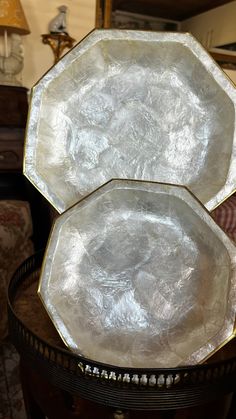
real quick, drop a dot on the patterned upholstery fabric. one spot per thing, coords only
(15, 247)
(225, 216)
(11, 397)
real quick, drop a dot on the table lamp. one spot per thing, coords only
(13, 23)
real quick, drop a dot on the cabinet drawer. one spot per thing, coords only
(11, 155)
(13, 105)
(12, 134)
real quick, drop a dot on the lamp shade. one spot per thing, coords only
(12, 17)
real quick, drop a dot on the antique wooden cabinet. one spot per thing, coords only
(13, 114)
(168, 9)
(13, 184)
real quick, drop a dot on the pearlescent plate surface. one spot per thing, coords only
(139, 275)
(129, 104)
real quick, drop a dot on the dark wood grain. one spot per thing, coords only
(13, 117)
(13, 184)
(168, 9)
(13, 106)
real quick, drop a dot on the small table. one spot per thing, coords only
(58, 383)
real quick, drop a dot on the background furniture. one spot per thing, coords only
(15, 247)
(168, 9)
(214, 27)
(24, 214)
(13, 115)
(13, 185)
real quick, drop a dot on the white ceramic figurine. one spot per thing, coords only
(58, 24)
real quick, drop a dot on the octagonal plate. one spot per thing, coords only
(139, 275)
(129, 104)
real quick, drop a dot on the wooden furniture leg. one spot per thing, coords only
(32, 409)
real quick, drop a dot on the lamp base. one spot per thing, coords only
(11, 65)
(11, 80)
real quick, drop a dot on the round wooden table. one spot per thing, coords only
(47, 395)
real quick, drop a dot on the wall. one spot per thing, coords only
(215, 27)
(231, 74)
(38, 56)
(80, 21)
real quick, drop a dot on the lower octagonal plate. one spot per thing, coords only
(139, 275)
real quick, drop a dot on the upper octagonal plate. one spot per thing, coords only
(130, 104)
